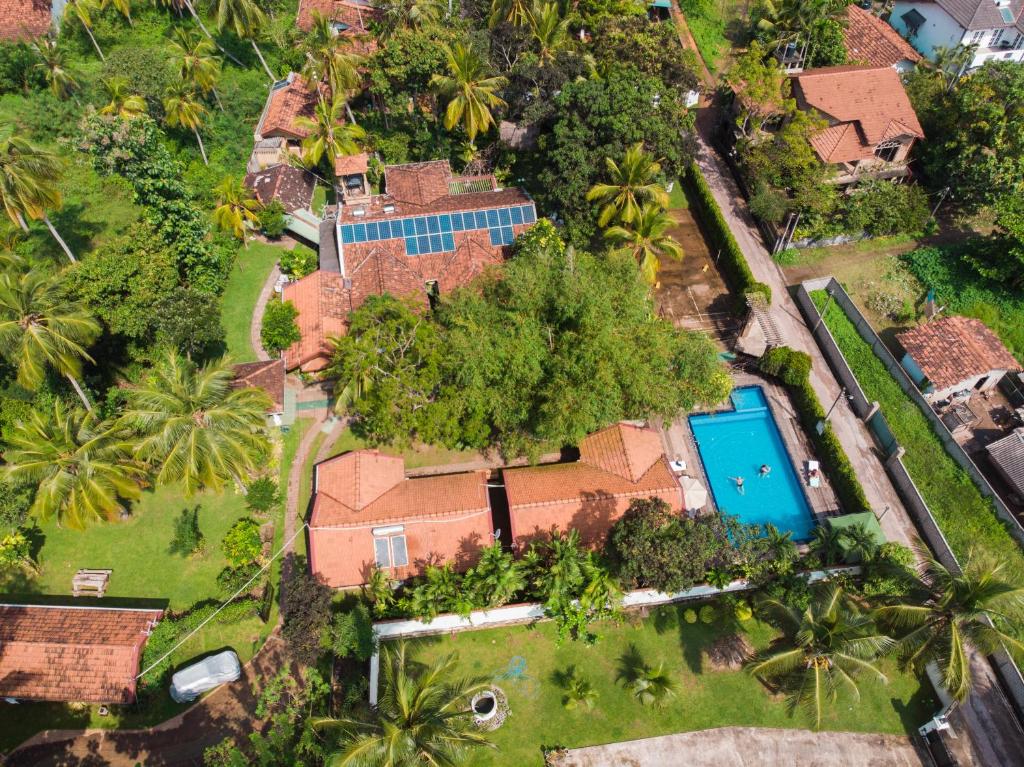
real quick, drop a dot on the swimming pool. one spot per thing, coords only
(736, 443)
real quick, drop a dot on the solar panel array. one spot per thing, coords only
(436, 233)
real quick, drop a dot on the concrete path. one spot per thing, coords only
(994, 730)
(749, 747)
(256, 324)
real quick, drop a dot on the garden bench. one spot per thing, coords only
(90, 581)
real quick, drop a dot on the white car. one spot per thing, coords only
(189, 683)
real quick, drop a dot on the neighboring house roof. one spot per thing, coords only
(367, 487)
(622, 460)
(952, 350)
(267, 375)
(290, 99)
(1008, 456)
(865, 105)
(353, 14)
(24, 19)
(292, 187)
(349, 165)
(323, 301)
(983, 14)
(870, 40)
(72, 654)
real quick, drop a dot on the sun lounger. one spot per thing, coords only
(813, 474)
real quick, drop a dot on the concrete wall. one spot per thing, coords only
(939, 28)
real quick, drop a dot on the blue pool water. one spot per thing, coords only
(735, 444)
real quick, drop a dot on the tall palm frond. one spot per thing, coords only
(470, 91)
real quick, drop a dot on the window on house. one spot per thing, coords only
(1018, 41)
(997, 35)
(887, 150)
(390, 551)
(976, 37)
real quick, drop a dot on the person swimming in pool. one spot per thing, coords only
(739, 484)
(765, 470)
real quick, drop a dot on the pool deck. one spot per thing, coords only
(680, 445)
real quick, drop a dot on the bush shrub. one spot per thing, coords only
(262, 495)
(279, 329)
(707, 614)
(231, 579)
(731, 259)
(690, 615)
(351, 634)
(793, 369)
(298, 262)
(272, 219)
(742, 611)
(188, 538)
(307, 612)
(242, 544)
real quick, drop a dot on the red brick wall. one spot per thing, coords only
(593, 517)
(343, 557)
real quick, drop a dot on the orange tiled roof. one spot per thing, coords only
(952, 350)
(73, 654)
(419, 183)
(368, 487)
(355, 15)
(348, 165)
(870, 40)
(267, 375)
(24, 19)
(621, 460)
(296, 98)
(869, 99)
(323, 302)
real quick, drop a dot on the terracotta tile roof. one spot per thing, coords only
(870, 99)
(355, 15)
(368, 487)
(287, 101)
(72, 654)
(267, 375)
(292, 187)
(952, 350)
(622, 460)
(419, 183)
(374, 210)
(347, 165)
(24, 19)
(870, 40)
(981, 14)
(323, 302)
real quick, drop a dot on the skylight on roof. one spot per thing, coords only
(1006, 13)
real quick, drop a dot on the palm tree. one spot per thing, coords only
(951, 62)
(198, 64)
(469, 90)
(28, 184)
(827, 543)
(649, 684)
(631, 184)
(246, 19)
(236, 208)
(821, 651)
(54, 66)
(550, 31)
(410, 14)
(124, 7)
(860, 543)
(495, 578)
(578, 690)
(328, 134)
(41, 329)
(81, 11)
(181, 109)
(192, 10)
(122, 103)
(952, 614)
(789, 21)
(515, 12)
(194, 427)
(329, 58)
(423, 717)
(646, 241)
(80, 467)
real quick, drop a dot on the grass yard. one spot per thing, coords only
(967, 519)
(416, 455)
(711, 23)
(677, 197)
(526, 663)
(243, 289)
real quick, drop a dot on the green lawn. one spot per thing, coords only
(967, 519)
(706, 697)
(247, 279)
(416, 455)
(677, 197)
(708, 21)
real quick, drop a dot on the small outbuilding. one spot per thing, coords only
(72, 654)
(1007, 456)
(953, 357)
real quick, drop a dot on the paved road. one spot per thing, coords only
(994, 730)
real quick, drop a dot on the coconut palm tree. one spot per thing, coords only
(330, 59)
(410, 14)
(645, 239)
(246, 19)
(236, 210)
(470, 91)
(423, 717)
(860, 543)
(122, 103)
(785, 21)
(194, 427)
(124, 7)
(515, 12)
(181, 109)
(578, 690)
(550, 31)
(631, 183)
(827, 544)
(198, 64)
(29, 178)
(951, 615)
(495, 578)
(650, 685)
(41, 329)
(328, 134)
(82, 469)
(53, 64)
(199, 21)
(821, 652)
(81, 11)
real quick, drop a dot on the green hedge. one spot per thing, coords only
(731, 259)
(793, 369)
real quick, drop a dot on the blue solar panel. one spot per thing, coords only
(481, 219)
(347, 235)
(447, 241)
(435, 243)
(517, 215)
(371, 232)
(456, 222)
(528, 215)
(446, 223)
(360, 232)
(492, 218)
(433, 225)
(495, 236)
(421, 225)
(423, 241)
(504, 217)
(410, 246)
(506, 235)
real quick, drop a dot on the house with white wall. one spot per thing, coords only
(994, 27)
